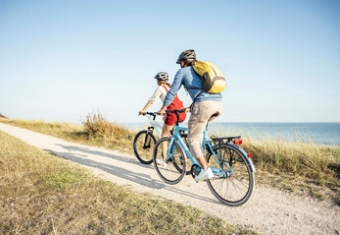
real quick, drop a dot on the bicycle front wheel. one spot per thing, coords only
(237, 185)
(143, 146)
(170, 165)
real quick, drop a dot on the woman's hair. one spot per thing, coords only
(190, 63)
(164, 82)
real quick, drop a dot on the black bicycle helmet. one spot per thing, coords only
(162, 76)
(187, 55)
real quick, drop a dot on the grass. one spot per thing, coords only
(300, 167)
(43, 194)
(95, 131)
(303, 168)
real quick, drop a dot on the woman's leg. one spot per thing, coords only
(166, 130)
(165, 133)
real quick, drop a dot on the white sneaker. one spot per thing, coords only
(205, 175)
(161, 162)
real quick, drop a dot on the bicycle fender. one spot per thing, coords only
(249, 161)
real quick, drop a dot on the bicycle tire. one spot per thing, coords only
(236, 188)
(175, 169)
(143, 146)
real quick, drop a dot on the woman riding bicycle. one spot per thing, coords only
(205, 107)
(161, 91)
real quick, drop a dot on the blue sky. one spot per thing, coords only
(60, 60)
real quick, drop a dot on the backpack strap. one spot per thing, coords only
(195, 99)
(197, 96)
(166, 88)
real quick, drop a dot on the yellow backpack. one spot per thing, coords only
(213, 80)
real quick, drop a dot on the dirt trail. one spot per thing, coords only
(269, 211)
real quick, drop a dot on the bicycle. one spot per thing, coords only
(145, 140)
(234, 172)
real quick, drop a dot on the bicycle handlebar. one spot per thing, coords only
(153, 114)
(176, 111)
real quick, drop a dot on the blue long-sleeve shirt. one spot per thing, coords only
(192, 83)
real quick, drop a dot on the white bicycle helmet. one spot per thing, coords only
(162, 76)
(187, 55)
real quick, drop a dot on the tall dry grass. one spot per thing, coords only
(43, 194)
(100, 128)
(299, 166)
(295, 164)
(94, 129)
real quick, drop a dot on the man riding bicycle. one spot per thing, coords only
(205, 108)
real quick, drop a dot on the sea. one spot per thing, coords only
(324, 133)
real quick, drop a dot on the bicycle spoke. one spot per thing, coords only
(236, 188)
(174, 170)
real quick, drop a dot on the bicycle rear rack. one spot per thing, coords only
(224, 140)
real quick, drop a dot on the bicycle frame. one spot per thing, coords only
(177, 137)
(206, 144)
(153, 124)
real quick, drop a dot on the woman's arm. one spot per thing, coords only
(158, 93)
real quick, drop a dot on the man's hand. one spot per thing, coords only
(187, 109)
(162, 112)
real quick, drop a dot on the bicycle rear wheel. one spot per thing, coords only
(236, 188)
(143, 146)
(174, 170)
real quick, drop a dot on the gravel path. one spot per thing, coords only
(269, 211)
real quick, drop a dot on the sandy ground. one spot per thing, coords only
(269, 211)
